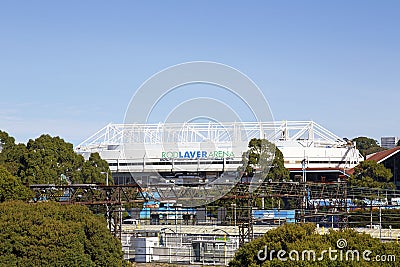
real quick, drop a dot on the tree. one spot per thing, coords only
(95, 169)
(6, 140)
(11, 187)
(303, 238)
(11, 154)
(278, 171)
(264, 161)
(259, 157)
(47, 158)
(371, 174)
(367, 146)
(266, 158)
(398, 143)
(50, 234)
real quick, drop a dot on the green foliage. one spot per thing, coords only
(258, 157)
(264, 157)
(371, 174)
(49, 157)
(46, 159)
(12, 188)
(11, 155)
(303, 237)
(367, 145)
(94, 170)
(278, 172)
(50, 234)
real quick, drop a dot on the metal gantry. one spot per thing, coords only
(111, 197)
(89, 194)
(323, 199)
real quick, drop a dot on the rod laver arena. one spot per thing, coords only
(195, 153)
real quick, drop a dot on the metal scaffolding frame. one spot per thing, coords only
(336, 194)
(309, 133)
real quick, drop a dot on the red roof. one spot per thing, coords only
(381, 156)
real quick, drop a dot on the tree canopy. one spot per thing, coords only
(94, 169)
(266, 158)
(11, 187)
(46, 159)
(278, 171)
(367, 145)
(6, 140)
(265, 161)
(11, 154)
(371, 174)
(50, 234)
(295, 237)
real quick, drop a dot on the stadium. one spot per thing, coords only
(199, 153)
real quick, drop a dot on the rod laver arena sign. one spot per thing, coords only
(196, 154)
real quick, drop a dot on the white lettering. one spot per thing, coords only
(366, 254)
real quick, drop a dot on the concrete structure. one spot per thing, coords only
(198, 153)
(389, 142)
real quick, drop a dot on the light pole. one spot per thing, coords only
(106, 173)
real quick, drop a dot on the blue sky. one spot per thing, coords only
(68, 68)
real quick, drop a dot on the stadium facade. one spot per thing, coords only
(196, 153)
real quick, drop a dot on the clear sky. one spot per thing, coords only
(68, 68)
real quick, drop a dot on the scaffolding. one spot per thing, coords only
(308, 133)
